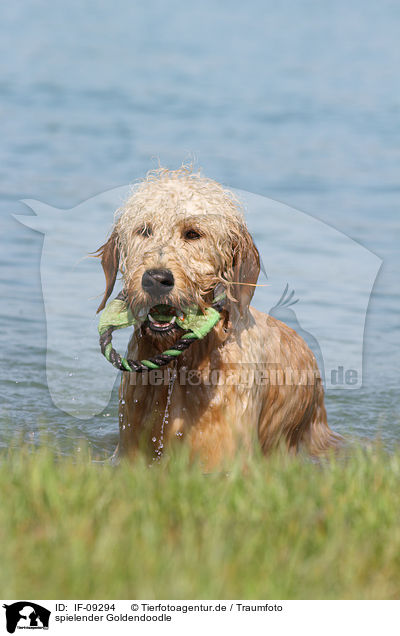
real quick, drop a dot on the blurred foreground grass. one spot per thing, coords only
(282, 529)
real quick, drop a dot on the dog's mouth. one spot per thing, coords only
(162, 318)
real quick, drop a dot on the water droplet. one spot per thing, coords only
(166, 412)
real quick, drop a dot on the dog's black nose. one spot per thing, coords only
(157, 282)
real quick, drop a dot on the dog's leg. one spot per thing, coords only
(129, 425)
(143, 422)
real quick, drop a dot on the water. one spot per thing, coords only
(296, 101)
(164, 423)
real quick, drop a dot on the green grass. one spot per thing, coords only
(280, 529)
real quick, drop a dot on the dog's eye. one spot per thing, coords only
(192, 235)
(145, 231)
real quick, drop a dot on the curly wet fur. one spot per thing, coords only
(282, 403)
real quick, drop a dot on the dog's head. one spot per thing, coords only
(175, 239)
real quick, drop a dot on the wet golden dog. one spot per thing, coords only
(252, 377)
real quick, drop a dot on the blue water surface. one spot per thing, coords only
(297, 101)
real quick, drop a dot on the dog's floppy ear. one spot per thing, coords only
(109, 253)
(246, 268)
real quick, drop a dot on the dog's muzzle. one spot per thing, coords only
(196, 324)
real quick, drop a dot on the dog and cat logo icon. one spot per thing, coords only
(26, 615)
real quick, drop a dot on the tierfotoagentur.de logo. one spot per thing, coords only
(26, 615)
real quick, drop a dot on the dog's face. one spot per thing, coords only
(174, 241)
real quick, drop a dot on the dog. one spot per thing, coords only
(252, 379)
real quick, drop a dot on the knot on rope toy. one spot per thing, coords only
(118, 315)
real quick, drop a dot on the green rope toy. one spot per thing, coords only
(118, 315)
